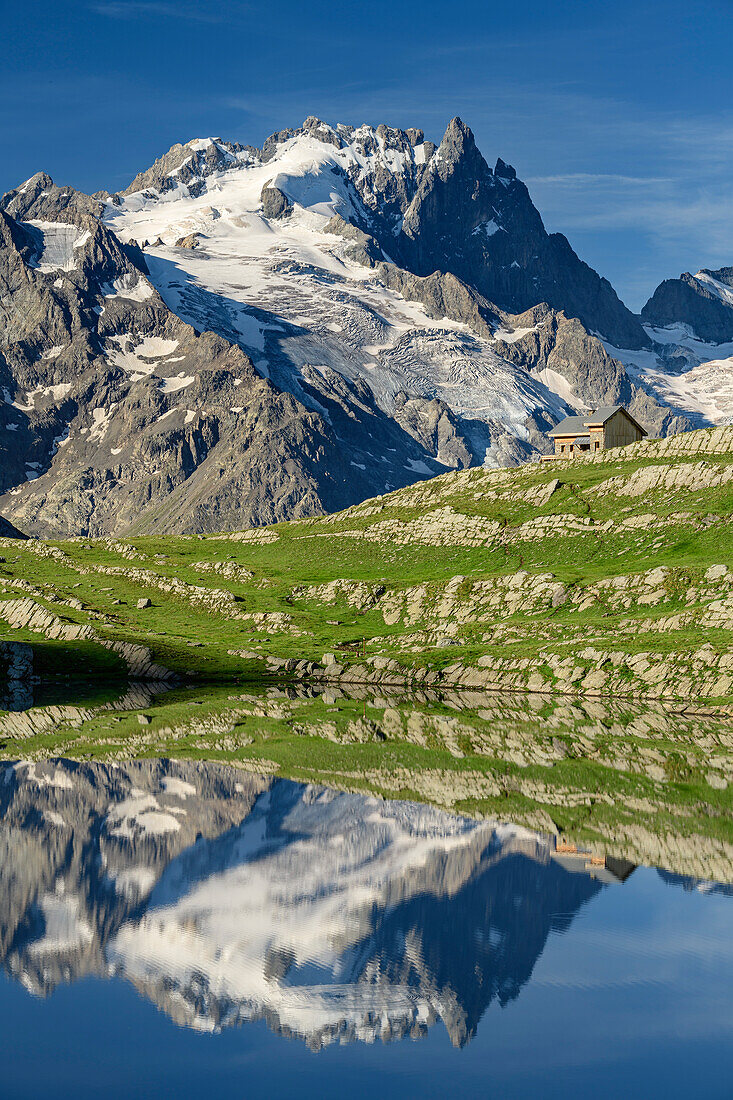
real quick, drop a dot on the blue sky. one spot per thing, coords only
(617, 114)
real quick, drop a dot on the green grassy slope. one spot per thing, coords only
(610, 577)
(548, 575)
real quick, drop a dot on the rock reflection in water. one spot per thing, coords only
(644, 781)
(16, 676)
(226, 897)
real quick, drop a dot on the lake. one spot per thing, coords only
(183, 928)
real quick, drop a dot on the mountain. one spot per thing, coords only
(431, 209)
(227, 898)
(249, 335)
(703, 301)
(482, 226)
(688, 365)
(90, 373)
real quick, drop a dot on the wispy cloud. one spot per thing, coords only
(156, 9)
(583, 179)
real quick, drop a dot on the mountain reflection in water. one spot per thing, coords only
(227, 897)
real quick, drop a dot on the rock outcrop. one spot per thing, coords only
(703, 301)
(481, 225)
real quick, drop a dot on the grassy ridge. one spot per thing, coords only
(536, 564)
(382, 544)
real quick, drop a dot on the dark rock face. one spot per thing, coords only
(692, 300)
(482, 226)
(274, 203)
(562, 344)
(7, 531)
(386, 194)
(16, 672)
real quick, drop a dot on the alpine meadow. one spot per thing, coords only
(366, 554)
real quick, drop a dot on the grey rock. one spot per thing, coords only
(275, 204)
(365, 249)
(688, 300)
(191, 240)
(563, 344)
(186, 166)
(436, 428)
(483, 227)
(40, 198)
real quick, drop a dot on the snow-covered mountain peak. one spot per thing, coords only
(390, 308)
(326, 169)
(253, 253)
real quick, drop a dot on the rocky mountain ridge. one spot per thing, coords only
(703, 301)
(244, 335)
(227, 898)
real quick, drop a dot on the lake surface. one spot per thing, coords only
(176, 929)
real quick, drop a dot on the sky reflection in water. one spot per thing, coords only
(171, 928)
